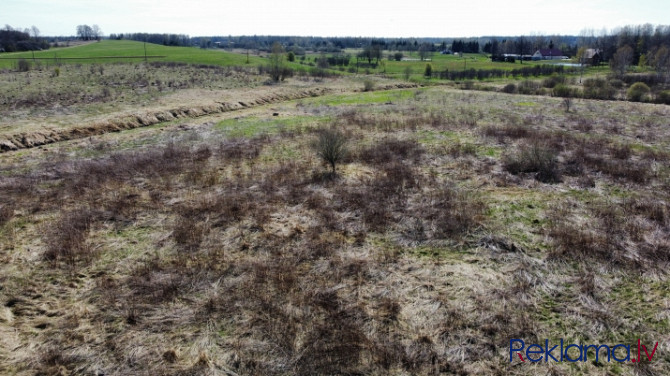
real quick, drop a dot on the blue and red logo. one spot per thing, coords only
(578, 353)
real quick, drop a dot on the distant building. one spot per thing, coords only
(593, 56)
(549, 54)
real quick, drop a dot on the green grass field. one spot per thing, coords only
(95, 53)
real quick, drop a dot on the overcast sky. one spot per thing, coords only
(382, 18)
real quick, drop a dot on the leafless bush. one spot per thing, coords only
(512, 131)
(331, 146)
(622, 151)
(582, 123)
(53, 360)
(627, 170)
(567, 103)
(536, 159)
(66, 239)
(451, 212)
(392, 150)
(463, 149)
(156, 282)
(238, 149)
(188, 233)
(6, 213)
(612, 235)
(368, 85)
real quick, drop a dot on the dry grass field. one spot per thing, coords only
(219, 243)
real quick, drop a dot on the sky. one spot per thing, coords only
(367, 18)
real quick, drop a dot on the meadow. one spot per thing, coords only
(97, 51)
(220, 242)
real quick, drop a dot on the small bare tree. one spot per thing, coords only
(278, 69)
(661, 61)
(425, 51)
(622, 59)
(331, 146)
(407, 72)
(567, 103)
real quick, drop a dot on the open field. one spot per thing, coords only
(183, 224)
(95, 53)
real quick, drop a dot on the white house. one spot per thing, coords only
(549, 54)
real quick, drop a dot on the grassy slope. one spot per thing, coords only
(191, 55)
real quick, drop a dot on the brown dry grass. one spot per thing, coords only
(186, 252)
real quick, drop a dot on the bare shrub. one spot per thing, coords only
(157, 281)
(331, 146)
(23, 65)
(6, 213)
(567, 104)
(188, 233)
(622, 151)
(237, 149)
(451, 212)
(628, 170)
(583, 124)
(368, 85)
(53, 360)
(512, 131)
(390, 150)
(536, 159)
(509, 88)
(333, 346)
(529, 87)
(66, 239)
(463, 149)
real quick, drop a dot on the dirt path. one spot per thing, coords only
(122, 122)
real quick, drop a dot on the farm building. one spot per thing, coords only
(549, 54)
(593, 56)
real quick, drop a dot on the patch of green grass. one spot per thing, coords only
(135, 240)
(491, 151)
(433, 137)
(441, 253)
(526, 104)
(521, 216)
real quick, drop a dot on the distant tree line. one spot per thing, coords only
(465, 47)
(164, 39)
(12, 40)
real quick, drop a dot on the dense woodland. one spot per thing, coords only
(12, 40)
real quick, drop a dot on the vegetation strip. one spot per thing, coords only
(29, 140)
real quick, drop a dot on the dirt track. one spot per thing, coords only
(123, 122)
